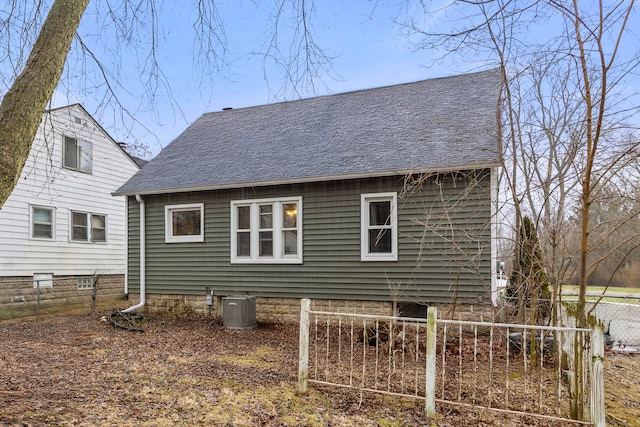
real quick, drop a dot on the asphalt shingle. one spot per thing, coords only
(432, 125)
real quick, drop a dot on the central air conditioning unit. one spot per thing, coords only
(239, 312)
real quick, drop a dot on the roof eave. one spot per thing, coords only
(307, 180)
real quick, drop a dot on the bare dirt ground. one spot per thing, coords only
(76, 370)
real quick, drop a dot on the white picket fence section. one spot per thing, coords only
(517, 369)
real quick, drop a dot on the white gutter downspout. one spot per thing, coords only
(496, 284)
(142, 258)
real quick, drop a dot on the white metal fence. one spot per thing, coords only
(501, 367)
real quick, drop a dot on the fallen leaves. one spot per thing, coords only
(79, 371)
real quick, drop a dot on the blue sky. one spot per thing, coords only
(367, 48)
(361, 37)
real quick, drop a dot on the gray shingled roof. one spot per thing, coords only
(432, 125)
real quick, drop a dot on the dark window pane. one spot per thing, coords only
(186, 223)
(380, 213)
(266, 216)
(42, 230)
(79, 229)
(99, 235)
(266, 243)
(380, 241)
(79, 233)
(80, 219)
(70, 152)
(290, 242)
(244, 217)
(243, 244)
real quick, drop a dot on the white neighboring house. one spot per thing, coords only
(61, 219)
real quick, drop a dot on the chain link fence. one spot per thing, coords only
(619, 311)
(621, 323)
(45, 293)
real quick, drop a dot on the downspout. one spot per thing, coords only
(142, 258)
(496, 292)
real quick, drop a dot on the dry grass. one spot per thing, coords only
(622, 387)
(77, 370)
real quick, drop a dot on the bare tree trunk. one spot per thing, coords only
(23, 104)
(584, 250)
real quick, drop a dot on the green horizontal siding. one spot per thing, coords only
(442, 227)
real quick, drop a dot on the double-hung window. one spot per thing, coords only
(88, 227)
(379, 227)
(77, 154)
(184, 223)
(266, 231)
(42, 222)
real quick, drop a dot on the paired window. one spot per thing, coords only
(77, 155)
(379, 227)
(42, 222)
(267, 231)
(184, 223)
(88, 227)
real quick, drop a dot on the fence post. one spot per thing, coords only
(94, 292)
(303, 349)
(38, 299)
(430, 374)
(597, 376)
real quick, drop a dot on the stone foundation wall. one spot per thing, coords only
(19, 297)
(158, 303)
(468, 312)
(278, 310)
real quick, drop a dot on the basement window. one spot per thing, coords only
(42, 280)
(85, 282)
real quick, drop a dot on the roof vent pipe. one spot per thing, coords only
(142, 258)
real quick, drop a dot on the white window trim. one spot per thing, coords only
(365, 199)
(79, 142)
(53, 222)
(278, 257)
(168, 223)
(89, 238)
(106, 228)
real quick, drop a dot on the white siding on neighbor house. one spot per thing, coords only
(45, 183)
